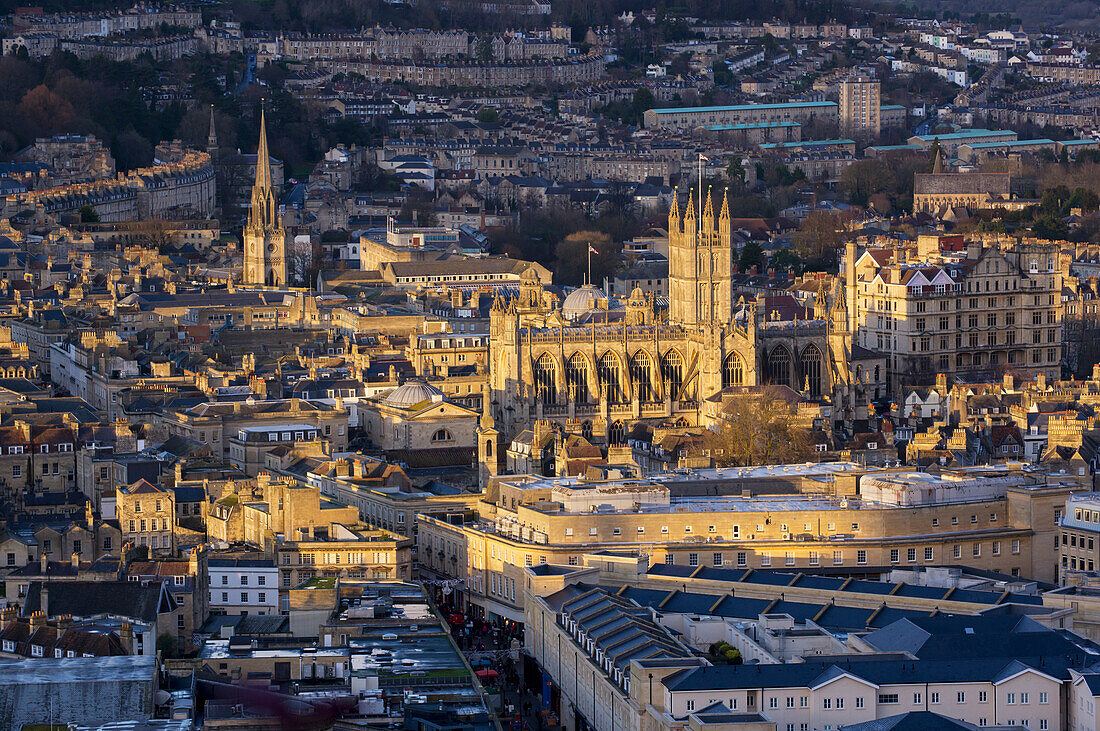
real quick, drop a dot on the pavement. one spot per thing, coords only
(480, 645)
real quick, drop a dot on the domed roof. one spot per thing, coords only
(581, 300)
(412, 393)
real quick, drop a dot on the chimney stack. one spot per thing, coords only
(44, 599)
(43, 562)
(38, 619)
(126, 635)
(76, 561)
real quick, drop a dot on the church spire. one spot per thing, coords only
(262, 214)
(212, 136)
(937, 165)
(264, 255)
(263, 159)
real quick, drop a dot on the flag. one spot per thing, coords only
(592, 249)
(704, 157)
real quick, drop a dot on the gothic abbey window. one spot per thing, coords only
(641, 373)
(811, 370)
(672, 369)
(544, 379)
(576, 378)
(610, 372)
(779, 366)
(617, 433)
(733, 371)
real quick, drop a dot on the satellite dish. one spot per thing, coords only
(162, 697)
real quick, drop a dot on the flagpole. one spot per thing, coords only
(589, 263)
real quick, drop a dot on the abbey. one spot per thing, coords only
(597, 367)
(264, 238)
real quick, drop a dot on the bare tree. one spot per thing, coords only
(152, 233)
(758, 427)
(300, 260)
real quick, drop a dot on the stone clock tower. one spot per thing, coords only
(264, 238)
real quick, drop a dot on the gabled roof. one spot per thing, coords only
(143, 487)
(142, 600)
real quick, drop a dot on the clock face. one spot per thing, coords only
(252, 246)
(271, 247)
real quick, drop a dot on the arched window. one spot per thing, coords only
(672, 368)
(586, 430)
(610, 380)
(617, 433)
(489, 448)
(641, 372)
(576, 378)
(811, 369)
(733, 371)
(442, 435)
(544, 379)
(779, 366)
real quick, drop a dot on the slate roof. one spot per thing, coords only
(913, 721)
(885, 672)
(135, 599)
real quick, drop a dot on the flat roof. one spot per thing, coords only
(52, 671)
(889, 148)
(964, 134)
(808, 143)
(1009, 143)
(752, 125)
(745, 107)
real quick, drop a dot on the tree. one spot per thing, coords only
(167, 646)
(132, 150)
(46, 110)
(752, 255)
(488, 115)
(300, 261)
(819, 235)
(572, 257)
(88, 214)
(758, 428)
(153, 233)
(735, 172)
(864, 178)
(483, 49)
(643, 101)
(722, 74)
(1050, 227)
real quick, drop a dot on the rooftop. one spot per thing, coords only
(747, 107)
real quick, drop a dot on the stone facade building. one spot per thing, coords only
(960, 308)
(147, 516)
(939, 192)
(264, 237)
(597, 370)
